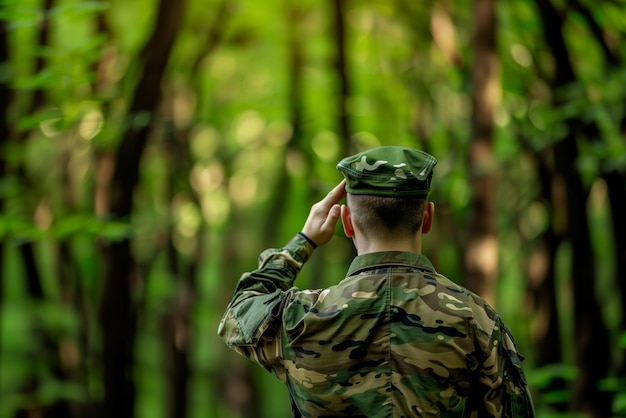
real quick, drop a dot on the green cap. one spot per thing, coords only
(388, 171)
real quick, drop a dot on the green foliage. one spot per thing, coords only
(19, 229)
(543, 379)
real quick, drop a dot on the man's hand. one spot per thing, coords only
(320, 225)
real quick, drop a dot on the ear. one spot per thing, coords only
(346, 220)
(429, 213)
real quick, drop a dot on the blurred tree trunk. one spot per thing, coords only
(342, 71)
(614, 177)
(541, 273)
(176, 323)
(481, 251)
(5, 132)
(591, 337)
(117, 310)
(616, 183)
(347, 145)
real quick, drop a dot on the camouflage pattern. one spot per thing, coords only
(388, 171)
(392, 339)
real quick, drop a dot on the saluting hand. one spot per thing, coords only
(320, 224)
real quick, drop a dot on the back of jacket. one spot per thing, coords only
(393, 339)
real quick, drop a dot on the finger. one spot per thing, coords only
(333, 216)
(328, 226)
(337, 193)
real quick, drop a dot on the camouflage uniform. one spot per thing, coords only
(392, 339)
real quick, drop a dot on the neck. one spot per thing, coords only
(412, 245)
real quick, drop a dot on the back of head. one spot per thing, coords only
(386, 216)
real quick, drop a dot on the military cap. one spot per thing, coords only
(388, 171)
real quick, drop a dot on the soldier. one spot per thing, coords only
(394, 338)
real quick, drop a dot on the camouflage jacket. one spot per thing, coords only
(392, 339)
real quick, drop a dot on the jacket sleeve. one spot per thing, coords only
(507, 394)
(253, 316)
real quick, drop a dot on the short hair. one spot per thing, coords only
(385, 215)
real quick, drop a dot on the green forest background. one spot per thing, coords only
(151, 149)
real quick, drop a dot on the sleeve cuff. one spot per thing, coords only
(309, 240)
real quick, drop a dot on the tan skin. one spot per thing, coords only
(323, 217)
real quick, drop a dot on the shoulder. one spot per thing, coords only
(455, 300)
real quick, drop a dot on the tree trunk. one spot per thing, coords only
(481, 252)
(117, 311)
(614, 178)
(615, 181)
(177, 324)
(590, 334)
(541, 273)
(591, 337)
(5, 132)
(341, 70)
